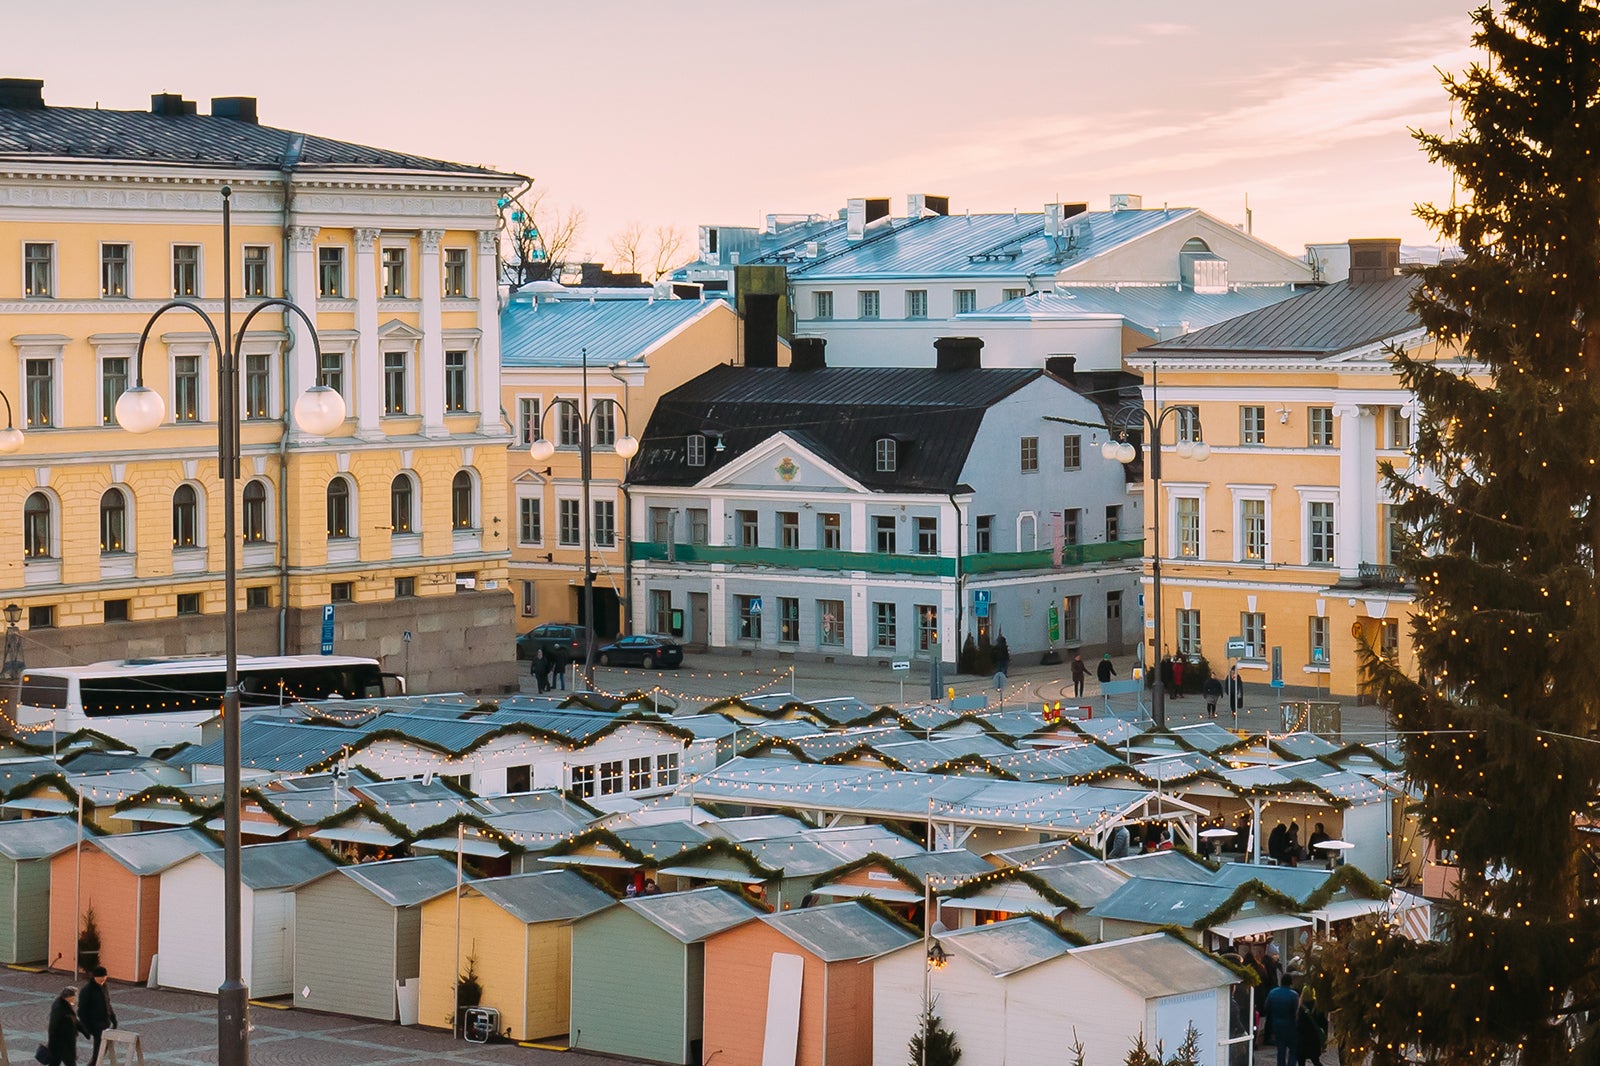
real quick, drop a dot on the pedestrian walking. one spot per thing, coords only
(558, 672)
(541, 669)
(1212, 690)
(1002, 663)
(95, 1012)
(1282, 1012)
(1164, 668)
(61, 1038)
(1233, 689)
(1177, 676)
(1105, 671)
(1311, 1029)
(1080, 673)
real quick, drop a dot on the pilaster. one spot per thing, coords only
(368, 371)
(431, 382)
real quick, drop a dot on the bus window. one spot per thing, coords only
(48, 691)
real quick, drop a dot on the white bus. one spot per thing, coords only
(157, 703)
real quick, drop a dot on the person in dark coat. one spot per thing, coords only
(541, 669)
(1311, 1028)
(1105, 671)
(558, 672)
(61, 1039)
(1277, 842)
(1165, 670)
(1080, 673)
(1233, 688)
(95, 1012)
(1212, 690)
(1281, 1011)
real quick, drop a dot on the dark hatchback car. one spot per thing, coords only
(561, 641)
(646, 651)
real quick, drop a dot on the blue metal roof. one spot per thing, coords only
(1146, 308)
(555, 333)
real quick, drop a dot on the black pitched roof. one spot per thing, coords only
(195, 140)
(839, 412)
(1325, 321)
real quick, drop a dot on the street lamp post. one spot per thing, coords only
(543, 448)
(11, 663)
(318, 411)
(1189, 446)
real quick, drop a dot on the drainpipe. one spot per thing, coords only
(961, 596)
(290, 160)
(627, 521)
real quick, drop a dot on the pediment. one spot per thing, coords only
(396, 330)
(783, 461)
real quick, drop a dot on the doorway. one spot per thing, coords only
(699, 621)
(1114, 643)
(607, 612)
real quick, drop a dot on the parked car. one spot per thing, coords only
(642, 650)
(561, 641)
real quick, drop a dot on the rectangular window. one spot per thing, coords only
(1253, 529)
(603, 425)
(1187, 521)
(519, 778)
(330, 273)
(605, 523)
(789, 529)
(42, 616)
(667, 769)
(1252, 424)
(927, 536)
(188, 603)
(611, 777)
(38, 269)
(695, 455)
(258, 385)
(660, 611)
(822, 305)
(394, 273)
(114, 270)
(830, 623)
(186, 388)
(258, 597)
(569, 425)
(1030, 454)
(116, 610)
(830, 532)
(1072, 619)
(1071, 452)
(983, 535)
(966, 300)
(1392, 533)
(257, 276)
(868, 303)
(113, 383)
(1113, 523)
(699, 526)
(1320, 420)
(530, 520)
(405, 588)
(186, 270)
(394, 383)
(1188, 424)
(640, 773)
(1188, 632)
(41, 381)
(1319, 522)
(916, 303)
(569, 515)
(788, 620)
(330, 371)
(528, 419)
(1397, 428)
(455, 271)
(1013, 294)
(748, 610)
(1072, 525)
(927, 626)
(749, 529)
(1389, 640)
(1253, 627)
(883, 626)
(455, 381)
(661, 526)
(883, 534)
(530, 599)
(1317, 644)
(583, 781)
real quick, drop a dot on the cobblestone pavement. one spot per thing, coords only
(180, 1029)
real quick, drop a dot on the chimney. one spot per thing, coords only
(1061, 366)
(238, 108)
(808, 353)
(1373, 259)
(170, 105)
(959, 353)
(919, 204)
(1056, 215)
(1126, 201)
(861, 213)
(22, 94)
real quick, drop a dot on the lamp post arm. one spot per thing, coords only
(9, 423)
(268, 305)
(138, 359)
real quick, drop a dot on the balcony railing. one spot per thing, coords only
(1381, 576)
(883, 563)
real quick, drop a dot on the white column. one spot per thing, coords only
(430, 383)
(368, 371)
(1348, 551)
(489, 325)
(303, 291)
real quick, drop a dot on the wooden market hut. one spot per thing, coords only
(515, 936)
(192, 892)
(26, 848)
(638, 973)
(120, 884)
(358, 934)
(795, 987)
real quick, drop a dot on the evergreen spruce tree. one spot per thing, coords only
(932, 1044)
(1499, 729)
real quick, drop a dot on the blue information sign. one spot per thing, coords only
(327, 629)
(980, 603)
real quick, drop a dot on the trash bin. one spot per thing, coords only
(481, 1024)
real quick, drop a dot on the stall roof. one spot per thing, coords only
(1258, 924)
(357, 833)
(690, 917)
(22, 839)
(1005, 948)
(1296, 882)
(1155, 965)
(1172, 865)
(839, 932)
(404, 882)
(1050, 853)
(145, 854)
(1158, 901)
(548, 896)
(281, 864)
(757, 827)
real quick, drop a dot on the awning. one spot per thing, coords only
(899, 894)
(602, 862)
(43, 803)
(252, 829)
(1265, 923)
(475, 846)
(378, 838)
(163, 815)
(1339, 910)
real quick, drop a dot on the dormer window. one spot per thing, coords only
(888, 455)
(697, 449)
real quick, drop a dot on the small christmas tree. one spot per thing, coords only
(932, 1044)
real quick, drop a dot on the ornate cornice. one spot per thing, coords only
(430, 241)
(366, 239)
(304, 238)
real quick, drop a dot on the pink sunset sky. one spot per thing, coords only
(720, 111)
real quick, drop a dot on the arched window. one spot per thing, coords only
(185, 517)
(461, 516)
(1027, 532)
(113, 521)
(338, 508)
(402, 504)
(36, 526)
(1194, 244)
(255, 512)
(888, 455)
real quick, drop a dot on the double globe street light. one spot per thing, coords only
(317, 412)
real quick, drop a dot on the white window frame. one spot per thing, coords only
(1255, 643)
(1252, 425)
(465, 373)
(1262, 494)
(575, 504)
(31, 420)
(869, 304)
(530, 412)
(408, 384)
(266, 271)
(1012, 294)
(199, 270)
(1030, 521)
(203, 380)
(1309, 496)
(963, 301)
(603, 520)
(530, 599)
(1186, 423)
(831, 623)
(1314, 623)
(127, 270)
(344, 272)
(695, 450)
(887, 455)
(385, 266)
(1176, 491)
(822, 305)
(1186, 628)
(51, 269)
(531, 494)
(445, 268)
(916, 303)
(1312, 421)
(254, 349)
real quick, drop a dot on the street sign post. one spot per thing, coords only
(1277, 666)
(1237, 648)
(980, 603)
(901, 667)
(327, 629)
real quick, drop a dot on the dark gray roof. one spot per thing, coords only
(1157, 901)
(1155, 965)
(194, 140)
(839, 412)
(37, 838)
(1322, 322)
(283, 864)
(552, 896)
(692, 916)
(404, 882)
(1174, 865)
(1004, 948)
(145, 854)
(840, 931)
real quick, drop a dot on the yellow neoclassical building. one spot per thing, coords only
(1282, 535)
(113, 543)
